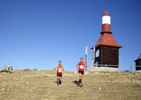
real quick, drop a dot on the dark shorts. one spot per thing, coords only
(82, 72)
(59, 74)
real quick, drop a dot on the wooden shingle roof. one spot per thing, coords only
(138, 58)
(107, 40)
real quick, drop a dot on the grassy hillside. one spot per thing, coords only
(39, 85)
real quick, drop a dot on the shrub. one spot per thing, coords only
(7, 71)
(27, 69)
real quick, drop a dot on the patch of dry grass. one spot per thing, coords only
(39, 85)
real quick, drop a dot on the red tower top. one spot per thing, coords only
(106, 34)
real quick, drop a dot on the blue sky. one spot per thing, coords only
(38, 33)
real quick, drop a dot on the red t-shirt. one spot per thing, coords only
(59, 68)
(81, 65)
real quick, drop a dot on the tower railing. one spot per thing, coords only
(138, 67)
(105, 67)
(115, 68)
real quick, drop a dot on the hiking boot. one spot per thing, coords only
(78, 83)
(59, 81)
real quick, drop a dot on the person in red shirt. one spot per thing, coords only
(81, 66)
(59, 69)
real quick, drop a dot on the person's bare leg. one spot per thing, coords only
(80, 78)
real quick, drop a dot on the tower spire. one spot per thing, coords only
(106, 22)
(106, 34)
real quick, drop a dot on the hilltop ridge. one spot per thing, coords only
(39, 85)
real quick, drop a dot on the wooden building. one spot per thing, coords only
(106, 50)
(138, 63)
